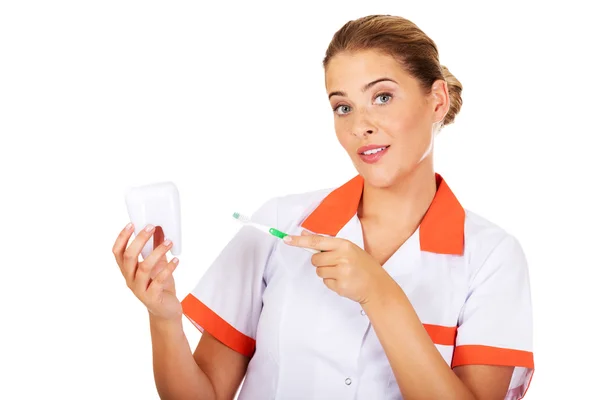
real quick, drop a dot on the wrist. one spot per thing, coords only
(386, 293)
(165, 325)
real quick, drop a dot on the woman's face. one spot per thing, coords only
(379, 108)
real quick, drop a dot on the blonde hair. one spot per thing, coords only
(403, 40)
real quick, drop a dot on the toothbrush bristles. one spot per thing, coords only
(241, 217)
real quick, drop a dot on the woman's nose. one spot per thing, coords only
(363, 126)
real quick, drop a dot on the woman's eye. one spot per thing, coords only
(384, 98)
(343, 109)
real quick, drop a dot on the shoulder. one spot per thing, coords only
(487, 243)
(286, 209)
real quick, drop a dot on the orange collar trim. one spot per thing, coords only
(441, 230)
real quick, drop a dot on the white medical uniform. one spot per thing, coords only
(466, 278)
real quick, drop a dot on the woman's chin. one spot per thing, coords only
(379, 177)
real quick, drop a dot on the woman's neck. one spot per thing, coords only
(405, 203)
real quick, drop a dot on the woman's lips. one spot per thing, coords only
(373, 153)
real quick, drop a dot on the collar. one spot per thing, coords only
(441, 230)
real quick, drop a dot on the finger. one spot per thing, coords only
(121, 242)
(157, 284)
(158, 254)
(324, 258)
(316, 242)
(327, 272)
(331, 284)
(159, 266)
(141, 279)
(132, 253)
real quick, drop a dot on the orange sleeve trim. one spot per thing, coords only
(195, 310)
(487, 355)
(442, 335)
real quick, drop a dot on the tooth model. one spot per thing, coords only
(156, 204)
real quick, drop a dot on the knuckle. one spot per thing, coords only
(315, 240)
(127, 255)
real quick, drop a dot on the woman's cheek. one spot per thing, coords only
(343, 133)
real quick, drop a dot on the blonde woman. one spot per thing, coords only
(409, 295)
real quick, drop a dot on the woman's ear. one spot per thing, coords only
(440, 100)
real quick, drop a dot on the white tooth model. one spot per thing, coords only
(157, 204)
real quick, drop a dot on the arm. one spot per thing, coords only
(225, 367)
(225, 305)
(213, 372)
(418, 366)
(177, 373)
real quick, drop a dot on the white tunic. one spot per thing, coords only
(466, 278)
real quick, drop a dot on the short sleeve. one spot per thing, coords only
(227, 301)
(495, 325)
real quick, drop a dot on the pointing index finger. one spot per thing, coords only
(311, 241)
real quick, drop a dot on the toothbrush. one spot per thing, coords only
(270, 231)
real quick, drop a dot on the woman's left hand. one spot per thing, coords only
(344, 267)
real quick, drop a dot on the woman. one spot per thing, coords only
(410, 296)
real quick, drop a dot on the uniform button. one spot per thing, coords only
(362, 312)
(348, 381)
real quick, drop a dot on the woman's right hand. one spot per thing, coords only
(152, 279)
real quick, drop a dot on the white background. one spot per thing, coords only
(228, 102)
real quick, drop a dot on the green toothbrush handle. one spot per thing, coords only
(277, 233)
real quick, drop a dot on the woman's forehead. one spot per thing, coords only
(355, 69)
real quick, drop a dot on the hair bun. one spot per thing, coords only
(455, 92)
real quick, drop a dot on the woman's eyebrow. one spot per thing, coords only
(365, 88)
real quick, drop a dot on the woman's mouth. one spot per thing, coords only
(372, 153)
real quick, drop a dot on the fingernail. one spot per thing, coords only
(175, 260)
(149, 228)
(128, 227)
(167, 242)
(287, 239)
